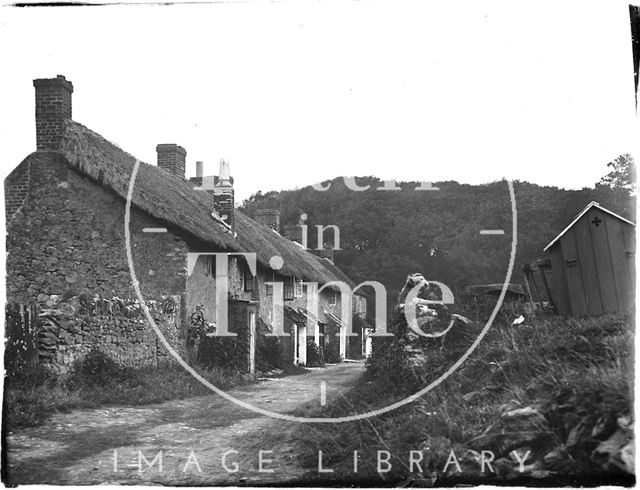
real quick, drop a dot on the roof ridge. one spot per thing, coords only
(173, 200)
(592, 204)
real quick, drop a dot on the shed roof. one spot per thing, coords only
(173, 200)
(592, 204)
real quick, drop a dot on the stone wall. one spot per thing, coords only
(70, 329)
(16, 188)
(68, 242)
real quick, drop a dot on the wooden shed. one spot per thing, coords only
(593, 263)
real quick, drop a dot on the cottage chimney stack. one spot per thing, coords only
(53, 107)
(269, 215)
(326, 252)
(223, 196)
(293, 233)
(172, 158)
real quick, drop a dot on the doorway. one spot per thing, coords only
(300, 344)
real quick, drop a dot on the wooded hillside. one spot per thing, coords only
(386, 235)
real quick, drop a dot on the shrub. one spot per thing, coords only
(229, 353)
(314, 356)
(269, 353)
(332, 353)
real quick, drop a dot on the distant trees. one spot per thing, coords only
(387, 235)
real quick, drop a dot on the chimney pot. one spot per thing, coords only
(224, 177)
(199, 169)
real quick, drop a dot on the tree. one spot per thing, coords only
(622, 175)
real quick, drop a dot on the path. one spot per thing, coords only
(79, 447)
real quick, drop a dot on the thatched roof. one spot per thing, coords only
(158, 193)
(173, 200)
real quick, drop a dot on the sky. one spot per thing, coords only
(295, 92)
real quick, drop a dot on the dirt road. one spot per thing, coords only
(190, 440)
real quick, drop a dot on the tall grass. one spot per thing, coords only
(29, 399)
(586, 364)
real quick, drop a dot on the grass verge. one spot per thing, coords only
(573, 372)
(29, 399)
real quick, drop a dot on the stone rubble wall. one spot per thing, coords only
(70, 329)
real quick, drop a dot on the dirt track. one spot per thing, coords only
(80, 447)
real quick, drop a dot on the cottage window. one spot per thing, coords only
(298, 287)
(289, 289)
(333, 297)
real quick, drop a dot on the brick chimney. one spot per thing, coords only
(297, 233)
(223, 195)
(172, 157)
(293, 233)
(53, 107)
(269, 215)
(326, 253)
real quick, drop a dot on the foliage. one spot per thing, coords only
(622, 174)
(387, 235)
(269, 353)
(314, 356)
(224, 352)
(332, 353)
(566, 366)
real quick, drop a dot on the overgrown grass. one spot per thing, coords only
(29, 399)
(586, 365)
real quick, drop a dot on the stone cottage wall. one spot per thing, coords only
(16, 188)
(68, 241)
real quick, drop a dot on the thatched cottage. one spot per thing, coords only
(65, 209)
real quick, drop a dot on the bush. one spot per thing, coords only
(314, 356)
(230, 353)
(269, 353)
(332, 353)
